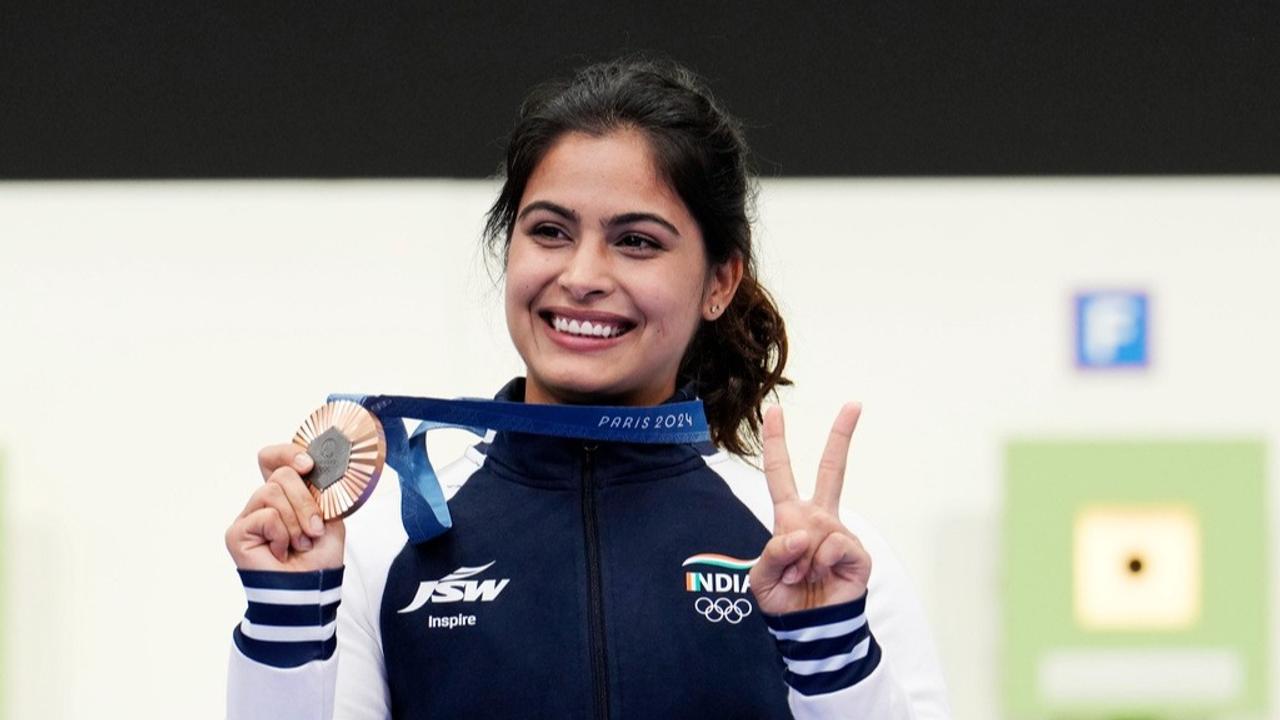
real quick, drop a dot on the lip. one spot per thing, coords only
(583, 343)
(591, 315)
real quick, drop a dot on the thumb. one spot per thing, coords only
(781, 553)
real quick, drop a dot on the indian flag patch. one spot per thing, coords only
(712, 581)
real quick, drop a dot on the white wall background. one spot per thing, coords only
(153, 336)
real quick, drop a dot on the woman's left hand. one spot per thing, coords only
(813, 560)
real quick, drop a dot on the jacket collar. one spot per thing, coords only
(563, 463)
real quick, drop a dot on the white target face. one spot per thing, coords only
(1137, 568)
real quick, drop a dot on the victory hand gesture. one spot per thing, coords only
(813, 560)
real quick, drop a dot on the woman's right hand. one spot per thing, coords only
(281, 528)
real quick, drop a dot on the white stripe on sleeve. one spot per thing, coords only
(813, 667)
(268, 596)
(288, 633)
(821, 632)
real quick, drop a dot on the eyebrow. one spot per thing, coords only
(622, 219)
(633, 217)
(546, 205)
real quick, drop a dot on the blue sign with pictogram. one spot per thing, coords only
(1112, 329)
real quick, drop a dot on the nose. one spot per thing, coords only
(589, 272)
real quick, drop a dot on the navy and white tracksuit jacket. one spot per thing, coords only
(580, 580)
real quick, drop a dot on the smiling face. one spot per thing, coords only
(607, 278)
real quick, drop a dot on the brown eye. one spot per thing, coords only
(549, 232)
(639, 242)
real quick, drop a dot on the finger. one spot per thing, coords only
(826, 493)
(835, 550)
(299, 495)
(777, 462)
(778, 556)
(265, 527)
(272, 495)
(799, 570)
(274, 457)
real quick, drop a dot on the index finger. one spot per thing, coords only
(777, 462)
(274, 457)
(826, 493)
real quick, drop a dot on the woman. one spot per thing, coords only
(598, 579)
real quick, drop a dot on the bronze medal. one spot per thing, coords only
(348, 446)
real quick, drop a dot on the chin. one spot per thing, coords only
(579, 391)
(589, 384)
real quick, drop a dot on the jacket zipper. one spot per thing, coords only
(595, 599)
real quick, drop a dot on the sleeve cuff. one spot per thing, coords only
(825, 649)
(292, 616)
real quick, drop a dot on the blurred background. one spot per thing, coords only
(1039, 243)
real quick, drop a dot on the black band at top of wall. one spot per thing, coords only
(414, 89)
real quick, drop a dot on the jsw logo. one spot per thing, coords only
(455, 587)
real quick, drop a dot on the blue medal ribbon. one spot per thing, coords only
(422, 505)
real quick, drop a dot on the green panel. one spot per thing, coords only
(1049, 483)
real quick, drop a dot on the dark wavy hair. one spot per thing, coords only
(736, 360)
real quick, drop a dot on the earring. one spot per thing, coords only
(715, 309)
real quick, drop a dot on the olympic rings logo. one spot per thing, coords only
(722, 608)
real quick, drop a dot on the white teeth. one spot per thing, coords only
(585, 328)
